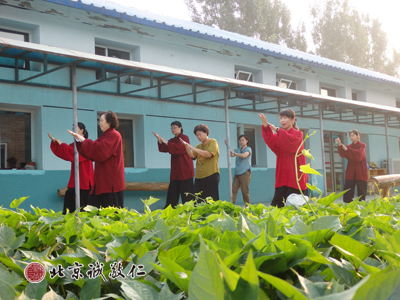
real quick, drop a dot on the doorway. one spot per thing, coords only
(334, 164)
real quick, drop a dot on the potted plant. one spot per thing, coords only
(30, 165)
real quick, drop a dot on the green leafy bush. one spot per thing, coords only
(211, 251)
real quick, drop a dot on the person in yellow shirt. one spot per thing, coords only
(207, 171)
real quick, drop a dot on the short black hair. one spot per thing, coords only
(177, 123)
(111, 118)
(201, 127)
(243, 136)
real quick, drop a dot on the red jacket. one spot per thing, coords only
(181, 163)
(66, 152)
(106, 152)
(357, 162)
(285, 144)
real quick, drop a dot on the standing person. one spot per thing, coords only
(242, 169)
(66, 152)
(106, 152)
(182, 172)
(284, 142)
(356, 172)
(207, 171)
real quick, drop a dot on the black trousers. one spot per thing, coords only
(107, 199)
(179, 187)
(282, 192)
(351, 184)
(69, 199)
(208, 185)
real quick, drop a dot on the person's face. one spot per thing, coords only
(176, 130)
(80, 131)
(286, 122)
(201, 136)
(353, 137)
(103, 123)
(243, 142)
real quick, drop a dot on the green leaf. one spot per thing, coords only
(308, 170)
(314, 188)
(175, 273)
(16, 202)
(51, 295)
(347, 294)
(8, 240)
(248, 281)
(166, 294)
(307, 153)
(360, 250)
(163, 230)
(91, 289)
(381, 286)
(326, 222)
(343, 275)
(125, 250)
(283, 286)
(331, 198)
(36, 290)
(206, 282)
(135, 290)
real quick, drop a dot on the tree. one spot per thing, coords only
(267, 20)
(341, 33)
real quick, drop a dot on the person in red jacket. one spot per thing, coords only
(182, 171)
(106, 152)
(284, 142)
(66, 152)
(356, 172)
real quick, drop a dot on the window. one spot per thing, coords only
(244, 75)
(15, 35)
(125, 128)
(325, 91)
(106, 51)
(397, 103)
(15, 137)
(354, 96)
(19, 36)
(286, 83)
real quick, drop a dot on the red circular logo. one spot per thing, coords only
(35, 272)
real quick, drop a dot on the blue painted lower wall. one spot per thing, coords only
(41, 187)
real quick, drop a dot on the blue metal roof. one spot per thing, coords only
(221, 36)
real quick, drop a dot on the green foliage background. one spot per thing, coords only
(212, 251)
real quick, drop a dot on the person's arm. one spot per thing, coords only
(289, 141)
(356, 154)
(203, 153)
(64, 151)
(342, 152)
(99, 150)
(178, 148)
(188, 149)
(269, 138)
(163, 147)
(242, 155)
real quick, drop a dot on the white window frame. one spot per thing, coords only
(249, 75)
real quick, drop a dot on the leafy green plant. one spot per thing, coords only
(214, 250)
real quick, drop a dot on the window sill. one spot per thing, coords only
(22, 172)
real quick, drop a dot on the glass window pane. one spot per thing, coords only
(15, 137)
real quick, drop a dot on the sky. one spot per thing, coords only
(384, 10)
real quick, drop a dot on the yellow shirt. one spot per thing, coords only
(206, 166)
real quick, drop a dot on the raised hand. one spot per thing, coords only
(76, 135)
(54, 139)
(263, 119)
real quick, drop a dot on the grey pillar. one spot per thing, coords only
(227, 144)
(76, 155)
(387, 145)
(322, 147)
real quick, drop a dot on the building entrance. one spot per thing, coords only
(334, 164)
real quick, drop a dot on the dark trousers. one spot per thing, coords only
(107, 199)
(282, 192)
(351, 184)
(179, 187)
(208, 186)
(69, 199)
